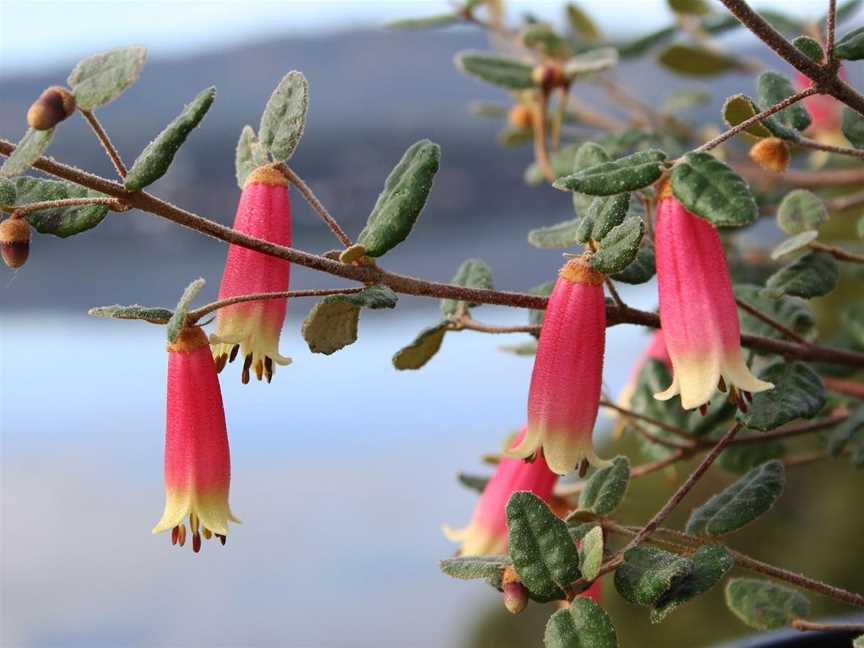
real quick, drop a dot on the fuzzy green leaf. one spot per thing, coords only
(812, 275)
(489, 568)
(740, 458)
(473, 273)
(591, 62)
(853, 127)
(713, 191)
(150, 314)
(851, 45)
(617, 176)
(496, 69)
(800, 211)
(581, 23)
(474, 482)
(763, 604)
(619, 247)
(642, 44)
(794, 243)
(284, 116)
(798, 393)
(7, 192)
(647, 573)
(710, 564)
(741, 503)
(810, 47)
(558, 236)
(789, 311)
(178, 318)
(583, 624)
(605, 489)
(543, 553)
(332, 323)
(59, 221)
(587, 155)
(426, 22)
(543, 39)
(772, 88)
(403, 198)
(685, 99)
(690, 7)
(850, 430)
(739, 108)
(604, 213)
(101, 78)
(154, 160)
(641, 269)
(695, 60)
(421, 350)
(591, 553)
(249, 155)
(26, 152)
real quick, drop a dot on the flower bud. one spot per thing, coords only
(521, 116)
(771, 153)
(548, 76)
(515, 594)
(14, 241)
(53, 106)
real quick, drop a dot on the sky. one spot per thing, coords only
(72, 28)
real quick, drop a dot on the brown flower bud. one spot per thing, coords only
(53, 106)
(771, 154)
(521, 116)
(515, 594)
(549, 76)
(14, 241)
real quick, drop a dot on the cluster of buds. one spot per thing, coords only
(53, 106)
(14, 241)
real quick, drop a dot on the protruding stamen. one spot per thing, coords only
(721, 385)
(222, 538)
(193, 523)
(742, 405)
(207, 533)
(196, 543)
(268, 368)
(234, 351)
(703, 409)
(259, 368)
(174, 534)
(181, 534)
(244, 378)
(221, 361)
(748, 396)
(733, 396)
(583, 468)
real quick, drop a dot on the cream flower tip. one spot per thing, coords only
(454, 535)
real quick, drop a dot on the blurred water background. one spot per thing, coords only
(344, 469)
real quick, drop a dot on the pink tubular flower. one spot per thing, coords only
(253, 327)
(197, 462)
(697, 308)
(487, 532)
(565, 383)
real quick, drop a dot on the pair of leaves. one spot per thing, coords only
(765, 605)
(332, 323)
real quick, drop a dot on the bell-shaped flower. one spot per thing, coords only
(197, 461)
(253, 327)
(698, 314)
(565, 384)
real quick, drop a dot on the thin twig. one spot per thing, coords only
(813, 179)
(194, 315)
(647, 419)
(801, 624)
(541, 153)
(770, 321)
(830, 30)
(567, 490)
(806, 142)
(841, 386)
(27, 208)
(848, 201)
(466, 323)
(838, 253)
(315, 204)
(613, 292)
(106, 142)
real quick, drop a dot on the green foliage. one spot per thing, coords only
(741, 503)
(713, 191)
(810, 47)
(178, 318)
(421, 350)
(617, 176)
(853, 320)
(582, 24)
(426, 22)
(489, 568)
(710, 564)
(605, 489)
(154, 160)
(641, 269)
(851, 45)
(561, 235)
(619, 247)
(739, 108)
(849, 431)
(772, 88)
(284, 116)
(543, 553)
(853, 127)
(26, 152)
(249, 155)
(789, 311)
(59, 221)
(812, 275)
(474, 482)
(332, 323)
(473, 273)
(488, 109)
(801, 210)
(794, 243)
(586, 64)
(591, 553)
(151, 314)
(765, 605)
(496, 69)
(647, 573)
(798, 393)
(7, 191)
(542, 38)
(403, 198)
(583, 624)
(690, 7)
(696, 60)
(101, 78)
(685, 99)
(740, 458)
(604, 213)
(523, 349)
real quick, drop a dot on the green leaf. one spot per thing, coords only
(810, 47)
(852, 429)
(710, 564)
(583, 624)
(812, 275)
(7, 192)
(605, 489)
(154, 160)
(558, 236)
(858, 642)
(604, 213)
(536, 315)
(421, 350)
(772, 88)
(794, 243)
(474, 482)
(853, 127)
(178, 318)
(742, 457)
(545, 40)
(763, 604)
(712, 190)
(249, 155)
(695, 60)
(591, 62)
(685, 99)
(739, 108)
(617, 176)
(641, 269)
(619, 247)
(101, 78)
(26, 152)
(798, 393)
(135, 311)
(496, 69)
(642, 44)
(581, 23)
(543, 553)
(284, 116)
(690, 7)
(591, 553)
(859, 227)
(851, 45)
(439, 20)
(741, 503)
(59, 221)
(648, 573)
(853, 319)
(800, 211)
(524, 349)
(789, 311)
(332, 323)
(489, 568)
(587, 155)
(473, 273)
(403, 198)
(844, 10)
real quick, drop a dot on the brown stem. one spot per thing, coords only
(559, 118)
(792, 431)
(831, 178)
(315, 204)
(585, 114)
(830, 30)
(567, 490)
(466, 323)
(838, 253)
(801, 624)
(806, 142)
(106, 142)
(845, 202)
(613, 292)
(848, 387)
(770, 321)
(641, 417)
(27, 208)
(541, 154)
(194, 315)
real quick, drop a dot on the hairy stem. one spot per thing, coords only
(116, 160)
(194, 315)
(806, 142)
(801, 624)
(27, 208)
(838, 253)
(541, 153)
(770, 321)
(315, 204)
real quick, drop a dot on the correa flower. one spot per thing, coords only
(697, 309)
(565, 384)
(486, 534)
(197, 461)
(253, 327)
